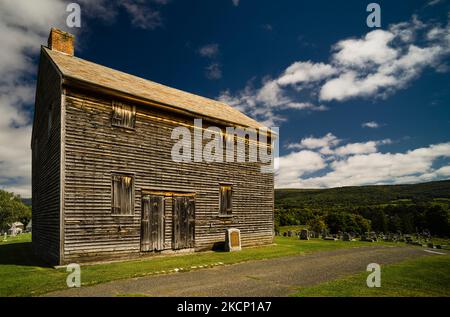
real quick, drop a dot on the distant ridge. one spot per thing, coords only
(26, 201)
(363, 195)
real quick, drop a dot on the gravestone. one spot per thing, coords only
(304, 234)
(408, 239)
(346, 236)
(232, 240)
(365, 237)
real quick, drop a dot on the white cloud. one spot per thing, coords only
(213, 71)
(371, 125)
(264, 103)
(384, 61)
(143, 16)
(434, 2)
(350, 85)
(300, 72)
(375, 65)
(372, 48)
(235, 2)
(360, 163)
(295, 165)
(329, 140)
(357, 148)
(306, 106)
(209, 50)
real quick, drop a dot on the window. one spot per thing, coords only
(122, 194)
(225, 203)
(123, 115)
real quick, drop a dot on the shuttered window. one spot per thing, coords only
(123, 115)
(226, 201)
(122, 194)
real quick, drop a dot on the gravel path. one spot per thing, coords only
(274, 277)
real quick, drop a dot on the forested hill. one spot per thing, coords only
(362, 195)
(26, 201)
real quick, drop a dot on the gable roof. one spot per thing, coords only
(76, 68)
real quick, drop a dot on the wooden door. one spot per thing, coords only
(152, 223)
(183, 222)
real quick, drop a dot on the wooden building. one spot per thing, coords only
(104, 183)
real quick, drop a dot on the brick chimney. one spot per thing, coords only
(61, 41)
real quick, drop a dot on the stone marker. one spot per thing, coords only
(232, 240)
(346, 237)
(304, 234)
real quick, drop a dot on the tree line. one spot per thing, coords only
(391, 218)
(12, 209)
(397, 208)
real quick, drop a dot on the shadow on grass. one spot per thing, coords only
(19, 254)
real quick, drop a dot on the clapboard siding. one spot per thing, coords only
(46, 149)
(94, 149)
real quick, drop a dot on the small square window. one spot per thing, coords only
(122, 194)
(226, 200)
(123, 115)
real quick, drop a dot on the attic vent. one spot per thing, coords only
(123, 115)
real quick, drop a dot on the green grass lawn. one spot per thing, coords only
(22, 275)
(425, 276)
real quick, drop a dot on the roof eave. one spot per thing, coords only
(90, 86)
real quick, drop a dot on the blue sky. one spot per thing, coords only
(355, 105)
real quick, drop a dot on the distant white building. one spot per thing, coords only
(15, 229)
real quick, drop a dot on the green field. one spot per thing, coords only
(426, 276)
(22, 275)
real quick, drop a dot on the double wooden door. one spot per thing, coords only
(153, 222)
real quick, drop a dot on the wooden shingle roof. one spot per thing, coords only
(76, 68)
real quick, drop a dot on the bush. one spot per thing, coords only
(347, 222)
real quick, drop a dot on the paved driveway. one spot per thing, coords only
(274, 277)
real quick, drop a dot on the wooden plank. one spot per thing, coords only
(145, 224)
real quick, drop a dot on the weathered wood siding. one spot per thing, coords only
(46, 156)
(94, 149)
